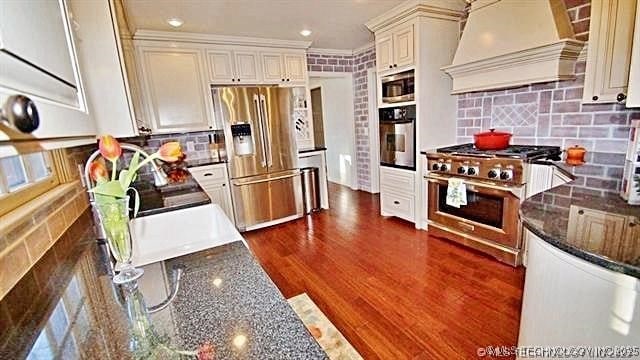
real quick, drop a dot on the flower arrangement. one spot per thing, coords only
(111, 200)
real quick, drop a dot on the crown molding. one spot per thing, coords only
(440, 9)
(552, 62)
(218, 39)
(322, 51)
(364, 48)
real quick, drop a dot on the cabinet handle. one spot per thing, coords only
(208, 174)
(594, 98)
(632, 224)
(396, 202)
(21, 113)
(621, 97)
(580, 212)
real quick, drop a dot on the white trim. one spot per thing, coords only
(374, 133)
(219, 39)
(364, 48)
(451, 10)
(321, 51)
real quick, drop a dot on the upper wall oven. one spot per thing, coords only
(398, 137)
(398, 87)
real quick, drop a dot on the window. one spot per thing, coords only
(24, 177)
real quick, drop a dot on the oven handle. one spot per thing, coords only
(471, 185)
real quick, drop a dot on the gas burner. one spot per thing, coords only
(524, 152)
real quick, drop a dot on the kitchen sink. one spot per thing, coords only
(170, 234)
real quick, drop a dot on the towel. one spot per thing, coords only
(456, 193)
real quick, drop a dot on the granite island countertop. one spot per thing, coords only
(558, 217)
(225, 302)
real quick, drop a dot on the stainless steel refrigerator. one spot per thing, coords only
(262, 154)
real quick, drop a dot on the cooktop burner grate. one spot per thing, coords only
(525, 152)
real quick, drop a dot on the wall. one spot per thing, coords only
(358, 64)
(552, 114)
(337, 109)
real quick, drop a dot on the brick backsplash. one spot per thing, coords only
(553, 114)
(357, 64)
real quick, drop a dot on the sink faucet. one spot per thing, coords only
(159, 177)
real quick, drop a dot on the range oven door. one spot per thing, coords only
(491, 212)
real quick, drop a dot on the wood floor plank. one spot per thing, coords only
(394, 292)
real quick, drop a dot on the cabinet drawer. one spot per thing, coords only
(399, 205)
(209, 174)
(397, 180)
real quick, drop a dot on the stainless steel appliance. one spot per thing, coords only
(310, 189)
(398, 136)
(398, 87)
(495, 186)
(262, 154)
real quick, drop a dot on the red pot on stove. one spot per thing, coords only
(492, 140)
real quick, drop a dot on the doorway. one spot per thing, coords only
(332, 108)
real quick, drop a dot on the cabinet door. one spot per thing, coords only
(632, 245)
(37, 60)
(609, 53)
(220, 195)
(296, 67)
(247, 67)
(596, 230)
(384, 51)
(403, 46)
(175, 89)
(220, 66)
(272, 68)
(633, 96)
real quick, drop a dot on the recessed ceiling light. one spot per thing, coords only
(305, 32)
(175, 22)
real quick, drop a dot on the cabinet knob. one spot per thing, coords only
(238, 80)
(287, 79)
(233, 80)
(621, 97)
(580, 212)
(632, 224)
(21, 113)
(282, 79)
(395, 65)
(594, 98)
(144, 130)
(390, 66)
(224, 185)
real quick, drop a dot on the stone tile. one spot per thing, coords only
(620, 132)
(544, 106)
(593, 170)
(596, 107)
(564, 131)
(38, 242)
(593, 132)
(573, 93)
(611, 118)
(577, 119)
(565, 106)
(503, 100)
(558, 95)
(615, 146)
(602, 183)
(608, 158)
(56, 224)
(13, 265)
(526, 98)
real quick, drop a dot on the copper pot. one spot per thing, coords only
(575, 155)
(492, 140)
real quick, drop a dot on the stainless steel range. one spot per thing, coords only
(495, 184)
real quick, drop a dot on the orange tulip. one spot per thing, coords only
(170, 151)
(98, 172)
(109, 148)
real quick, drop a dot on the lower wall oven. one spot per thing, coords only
(489, 222)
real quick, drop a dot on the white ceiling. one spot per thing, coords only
(336, 24)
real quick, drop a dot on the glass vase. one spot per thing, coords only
(114, 218)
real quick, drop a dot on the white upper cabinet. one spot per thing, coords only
(395, 48)
(633, 98)
(105, 79)
(38, 61)
(175, 88)
(284, 68)
(233, 66)
(272, 67)
(609, 52)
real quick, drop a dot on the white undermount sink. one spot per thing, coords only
(167, 235)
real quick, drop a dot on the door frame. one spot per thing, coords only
(319, 74)
(374, 131)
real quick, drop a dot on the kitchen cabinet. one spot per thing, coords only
(175, 88)
(100, 46)
(395, 48)
(284, 68)
(609, 52)
(397, 195)
(38, 60)
(633, 96)
(214, 180)
(232, 67)
(602, 232)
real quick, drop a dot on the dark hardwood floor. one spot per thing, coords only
(393, 291)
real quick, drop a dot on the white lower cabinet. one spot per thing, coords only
(397, 195)
(215, 182)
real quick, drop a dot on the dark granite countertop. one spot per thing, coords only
(177, 195)
(561, 217)
(67, 307)
(317, 148)
(202, 162)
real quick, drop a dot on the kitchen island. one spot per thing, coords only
(67, 307)
(582, 284)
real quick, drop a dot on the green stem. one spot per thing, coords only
(144, 162)
(114, 169)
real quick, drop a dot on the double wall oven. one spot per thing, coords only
(398, 136)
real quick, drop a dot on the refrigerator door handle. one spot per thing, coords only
(256, 102)
(265, 118)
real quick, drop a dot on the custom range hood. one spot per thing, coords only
(508, 43)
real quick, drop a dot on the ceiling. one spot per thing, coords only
(335, 24)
